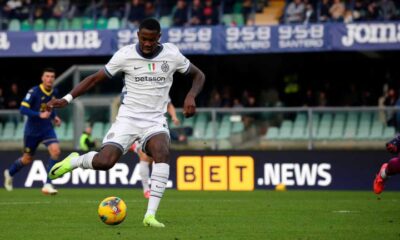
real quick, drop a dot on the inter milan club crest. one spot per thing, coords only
(165, 67)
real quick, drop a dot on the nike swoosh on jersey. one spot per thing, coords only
(136, 68)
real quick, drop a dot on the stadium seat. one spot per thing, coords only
(26, 25)
(14, 25)
(88, 23)
(227, 19)
(337, 130)
(224, 131)
(19, 131)
(38, 25)
(165, 21)
(60, 131)
(389, 133)
(376, 131)
(76, 24)
(113, 23)
(351, 125)
(69, 132)
(188, 122)
(101, 23)
(238, 19)
(210, 130)
(52, 24)
(237, 127)
(272, 133)
(299, 127)
(324, 128)
(64, 24)
(285, 131)
(199, 126)
(8, 131)
(98, 130)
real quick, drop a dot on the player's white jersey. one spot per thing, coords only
(147, 82)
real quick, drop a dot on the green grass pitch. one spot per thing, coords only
(27, 214)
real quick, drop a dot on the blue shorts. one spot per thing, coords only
(32, 142)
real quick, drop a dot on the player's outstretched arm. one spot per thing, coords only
(198, 78)
(84, 86)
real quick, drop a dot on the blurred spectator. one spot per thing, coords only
(136, 13)
(337, 11)
(390, 101)
(309, 98)
(2, 99)
(96, 9)
(247, 9)
(63, 8)
(359, 10)
(149, 9)
(86, 143)
(397, 115)
(324, 14)
(237, 103)
(10, 8)
(211, 14)
(215, 99)
(228, 6)
(309, 14)
(386, 9)
(226, 100)
(322, 100)
(47, 10)
(180, 17)
(14, 98)
(372, 11)
(351, 98)
(295, 12)
(196, 13)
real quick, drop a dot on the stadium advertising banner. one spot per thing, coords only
(226, 171)
(370, 36)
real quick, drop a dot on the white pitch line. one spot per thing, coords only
(345, 211)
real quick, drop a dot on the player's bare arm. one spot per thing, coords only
(198, 78)
(84, 86)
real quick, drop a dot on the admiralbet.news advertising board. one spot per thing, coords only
(226, 171)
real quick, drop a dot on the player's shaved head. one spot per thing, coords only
(150, 24)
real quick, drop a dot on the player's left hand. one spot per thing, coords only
(176, 121)
(56, 103)
(189, 106)
(57, 121)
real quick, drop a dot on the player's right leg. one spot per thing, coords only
(14, 168)
(386, 170)
(103, 160)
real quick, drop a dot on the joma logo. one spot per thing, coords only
(66, 40)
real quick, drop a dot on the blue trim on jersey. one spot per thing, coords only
(122, 97)
(114, 144)
(155, 54)
(152, 135)
(107, 73)
(187, 70)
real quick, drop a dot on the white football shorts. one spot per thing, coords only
(125, 131)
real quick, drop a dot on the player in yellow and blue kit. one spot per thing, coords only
(38, 129)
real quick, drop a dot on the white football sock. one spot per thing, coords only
(84, 161)
(144, 171)
(159, 179)
(383, 174)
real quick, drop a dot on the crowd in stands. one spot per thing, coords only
(131, 12)
(304, 11)
(10, 98)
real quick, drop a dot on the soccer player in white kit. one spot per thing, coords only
(149, 67)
